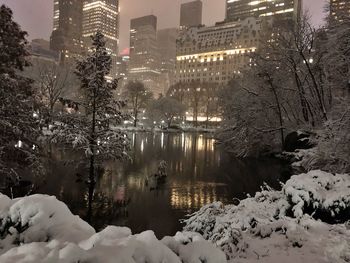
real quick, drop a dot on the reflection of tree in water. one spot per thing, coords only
(110, 201)
(248, 175)
(107, 209)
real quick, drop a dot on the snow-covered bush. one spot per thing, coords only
(41, 218)
(332, 151)
(323, 195)
(40, 228)
(273, 225)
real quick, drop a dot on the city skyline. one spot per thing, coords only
(26, 14)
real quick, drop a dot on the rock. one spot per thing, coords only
(298, 140)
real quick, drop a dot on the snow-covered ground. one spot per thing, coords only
(40, 228)
(273, 226)
(281, 226)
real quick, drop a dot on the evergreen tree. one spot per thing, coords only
(88, 128)
(19, 123)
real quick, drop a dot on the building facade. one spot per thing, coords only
(191, 14)
(237, 10)
(216, 53)
(66, 37)
(144, 62)
(103, 16)
(207, 59)
(339, 9)
(122, 69)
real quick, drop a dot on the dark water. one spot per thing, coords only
(198, 173)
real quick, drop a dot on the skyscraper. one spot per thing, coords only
(191, 14)
(240, 9)
(166, 40)
(144, 55)
(67, 29)
(339, 9)
(103, 16)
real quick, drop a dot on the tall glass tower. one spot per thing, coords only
(67, 29)
(103, 16)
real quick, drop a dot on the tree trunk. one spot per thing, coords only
(195, 114)
(135, 120)
(301, 93)
(279, 111)
(207, 115)
(92, 160)
(318, 92)
(170, 120)
(90, 201)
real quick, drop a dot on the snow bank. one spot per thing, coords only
(40, 228)
(279, 226)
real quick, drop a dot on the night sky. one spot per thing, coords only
(35, 16)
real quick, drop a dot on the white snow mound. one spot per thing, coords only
(283, 226)
(40, 228)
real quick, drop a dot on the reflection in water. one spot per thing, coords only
(198, 173)
(189, 198)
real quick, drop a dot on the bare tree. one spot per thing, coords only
(210, 100)
(178, 91)
(166, 108)
(295, 52)
(53, 82)
(194, 91)
(249, 124)
(335, 44)
(138, 98)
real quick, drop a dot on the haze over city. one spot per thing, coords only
(35, 16)
(174, 131)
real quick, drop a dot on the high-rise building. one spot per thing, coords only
(240, 9)
(103, 16)
(215, 54)
(166, 39)
(67, 29)
(123, 64)
(339, 9)
(144, 55)
(191, 14)
(122, 68)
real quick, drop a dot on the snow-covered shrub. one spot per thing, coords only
(320, 194)
(274, 224)
(191, 247)
(41, 219)
(40, 228)
(332, 151)
(204, 220)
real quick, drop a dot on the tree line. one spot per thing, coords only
(299, 79)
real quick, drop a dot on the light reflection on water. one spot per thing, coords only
(198, 173)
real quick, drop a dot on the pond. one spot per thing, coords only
(199, 173)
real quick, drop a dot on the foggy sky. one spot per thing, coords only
(35, 16)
